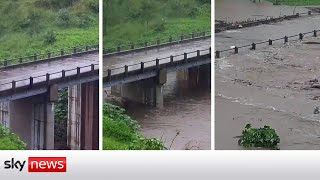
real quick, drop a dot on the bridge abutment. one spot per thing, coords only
(195, 76)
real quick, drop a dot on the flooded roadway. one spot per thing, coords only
(270, 86)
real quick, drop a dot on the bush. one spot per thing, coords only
(64, 18)
(10, 141)
(50, 37)
(265, 137)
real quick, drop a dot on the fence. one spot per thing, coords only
(253, 46)
(49, 55)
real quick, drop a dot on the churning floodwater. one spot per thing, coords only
(271, 85)
(185, 120)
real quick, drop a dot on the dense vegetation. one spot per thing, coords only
(120, 132)
(296, 2)
(61, 120)
(142, 20)
(10, 141)
(265, 137)
(35, 26)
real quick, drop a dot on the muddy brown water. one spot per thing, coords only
(239, 10)
(269, 86)
(186, 112)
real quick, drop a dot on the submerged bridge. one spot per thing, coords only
(29, 89)
(139, 71)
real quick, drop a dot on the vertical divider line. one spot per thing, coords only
(100, 72)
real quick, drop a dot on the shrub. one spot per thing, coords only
(265, 137)
(50, 37)
(10, 141)
(64, 18)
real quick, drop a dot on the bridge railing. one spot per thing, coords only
(253, 46)
(248, 23)
(48, 55)
(155, 42)
(48, 77)
(155, 64)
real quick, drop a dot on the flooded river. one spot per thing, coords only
(184, 122)
(269, 86)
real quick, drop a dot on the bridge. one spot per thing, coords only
(138, 72)
(29, 88)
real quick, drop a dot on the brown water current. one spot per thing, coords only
(274, 85)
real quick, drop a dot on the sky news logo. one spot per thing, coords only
(38, 164)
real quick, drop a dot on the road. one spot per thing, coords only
(41, 68)
(120, 61)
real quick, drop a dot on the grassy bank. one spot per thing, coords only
(10, 141)
(141, 20)
(38, 26)
(120, 132)
(296, 2)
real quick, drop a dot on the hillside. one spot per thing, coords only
(140, 20)
(35, 26)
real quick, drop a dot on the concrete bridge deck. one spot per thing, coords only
(38, 70)
(119, 61)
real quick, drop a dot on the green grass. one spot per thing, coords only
(164, 21)
(24, 25)
(296, 2)
(120, 132)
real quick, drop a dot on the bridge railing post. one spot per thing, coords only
(126, 71)
(132, 46)
(63, 74)
(49, 54)
(118, 49)
(145, 44)
(285, 39)
(13, 85)
(171, 59)
(185, 57)
(30, 82)
(270, 42)
(198, 53)
(300, 36)
(109, 74)
(47, 78)
(87, 48)
(74, 50)
(181, 37)
(315, 33)
(253, 46)
(158, 41)
(92, 67)
(62, 52)
(20, 60)
(78, 71)
(217, 54)
(170, 39)
(192, 35)
(142, 67)
(236, 50)
(157, 64)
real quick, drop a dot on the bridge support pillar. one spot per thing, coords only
(147, 91)
(83, 116)
(32, 119)
(195, 76)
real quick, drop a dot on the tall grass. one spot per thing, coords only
(142, 20)
(25, 25)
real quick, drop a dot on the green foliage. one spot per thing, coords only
(61, 119)
(265, 137)
(26, 26)
(10, 141)
(50, 37)
(120, 132)
(145, 20)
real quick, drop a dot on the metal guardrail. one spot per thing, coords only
(155, 42)
(253, 46)
(157, 63)
(47, 77)
(250, 23)
(49, 55)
